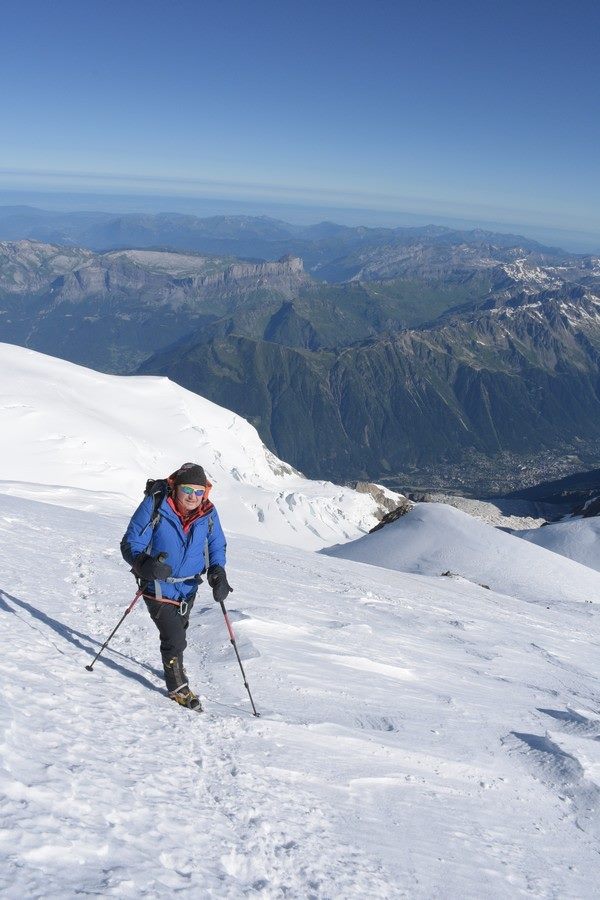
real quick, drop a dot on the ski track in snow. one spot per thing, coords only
(420, 737)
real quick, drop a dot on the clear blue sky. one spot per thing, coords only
(478, 110)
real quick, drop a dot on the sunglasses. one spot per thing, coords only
(186, 489)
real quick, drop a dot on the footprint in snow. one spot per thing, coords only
(378, 723)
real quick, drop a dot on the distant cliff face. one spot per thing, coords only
(285, 276)
(118, 275)
(28, 267)
(113, 310)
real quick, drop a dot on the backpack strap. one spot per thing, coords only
(211, 525)
(158, 490)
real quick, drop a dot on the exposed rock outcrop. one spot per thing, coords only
(395, 514)
(387, 501)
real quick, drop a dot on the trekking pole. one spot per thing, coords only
(232, 638)
(90, 668)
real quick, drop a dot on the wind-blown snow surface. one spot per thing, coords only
(421, 737)
(577, 539)
(91, 440)
(434, 539)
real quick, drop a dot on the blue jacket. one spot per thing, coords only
(185, 550)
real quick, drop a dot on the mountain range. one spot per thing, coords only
(394, 353)
(240, 236)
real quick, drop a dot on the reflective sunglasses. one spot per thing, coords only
(186, 489)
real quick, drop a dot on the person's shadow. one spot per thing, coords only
(74, 637)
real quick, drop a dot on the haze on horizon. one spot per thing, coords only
(464, 114)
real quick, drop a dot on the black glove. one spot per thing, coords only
(150, 568)
(217, 579)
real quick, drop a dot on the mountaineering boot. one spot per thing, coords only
(186, 698)
(175, 677)
(177, 684)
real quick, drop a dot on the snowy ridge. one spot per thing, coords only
(74, 431)
(531, 276)
(505, 514)
(577, 539)
(434, 539)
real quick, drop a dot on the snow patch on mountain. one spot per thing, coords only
(530, 275)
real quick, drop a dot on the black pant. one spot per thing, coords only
(172, 628)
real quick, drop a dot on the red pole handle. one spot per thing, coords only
(135, 600)
(229, 628)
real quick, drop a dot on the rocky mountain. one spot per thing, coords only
(513, 376)
(28, 267)
(113, 310)
(468, 357)
(99, 309)
(452, 254)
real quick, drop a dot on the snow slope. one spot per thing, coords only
(577, 539)
(420, 737)
(434, 538)
(81, 438)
